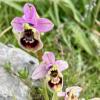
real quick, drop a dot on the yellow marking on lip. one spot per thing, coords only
(72, 93)
(57, 88)
(48, 78)
(27, 26)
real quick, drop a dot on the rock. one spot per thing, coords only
(18, 59)
(3, 54)
(11, 86)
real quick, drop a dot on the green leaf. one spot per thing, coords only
(12, 4)
(7, 66)
(82, 40)
(70, 10)
(67, 4)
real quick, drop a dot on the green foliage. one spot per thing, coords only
(72, 38)
(23, 73)
(7, 67)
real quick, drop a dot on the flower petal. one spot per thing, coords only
(48, 58)
(30, 13)
(39, 72)
(61, 64)
(17, 24)
(44, 25)
(61, 94)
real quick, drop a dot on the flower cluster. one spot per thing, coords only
(51, 69)
(27, 30)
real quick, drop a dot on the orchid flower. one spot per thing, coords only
(51, 70)
(95, 99)
(27, 28)
(71, 93)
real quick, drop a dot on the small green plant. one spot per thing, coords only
(7, 66)
(23, 73)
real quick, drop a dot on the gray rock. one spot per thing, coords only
(18, 59)
(11, 86)
(3, 54)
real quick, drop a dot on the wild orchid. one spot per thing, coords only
(51, 70)
(27, 28)
(95, 98)
(71, 93)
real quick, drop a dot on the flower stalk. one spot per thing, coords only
(55, 97)
(45, 90)
(5, 31)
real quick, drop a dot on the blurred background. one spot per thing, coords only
(75, 37)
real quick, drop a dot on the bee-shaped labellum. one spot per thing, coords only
(55, 79)
(29, 39)
(71, 95)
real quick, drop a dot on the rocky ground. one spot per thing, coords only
(13, 61)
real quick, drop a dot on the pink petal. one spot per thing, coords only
(17, 24)
(48, 58)
(61, 64)
(30, 13)
(39, 72)
(61, 94)
(44, 25)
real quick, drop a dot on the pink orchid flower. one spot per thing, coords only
(27, 28)
(51, 69)
(71, 93)
(95, 98)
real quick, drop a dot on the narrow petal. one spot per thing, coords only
(17, 24)
(48, 58)
(30, 13)
(61, 94)
(61, 64)
(39, 72)
(44, 25)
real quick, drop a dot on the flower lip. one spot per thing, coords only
(52, 82)
(55, 83)
(54, 73)
(55, 78)
(73, 92)
(28, 40)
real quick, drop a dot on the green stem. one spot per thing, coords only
(56, 13)
(45, 91)
(96, 12)
(5, 31)
(54, 96)
(39, 55)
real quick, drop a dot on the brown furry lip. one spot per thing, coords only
(28, 40)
